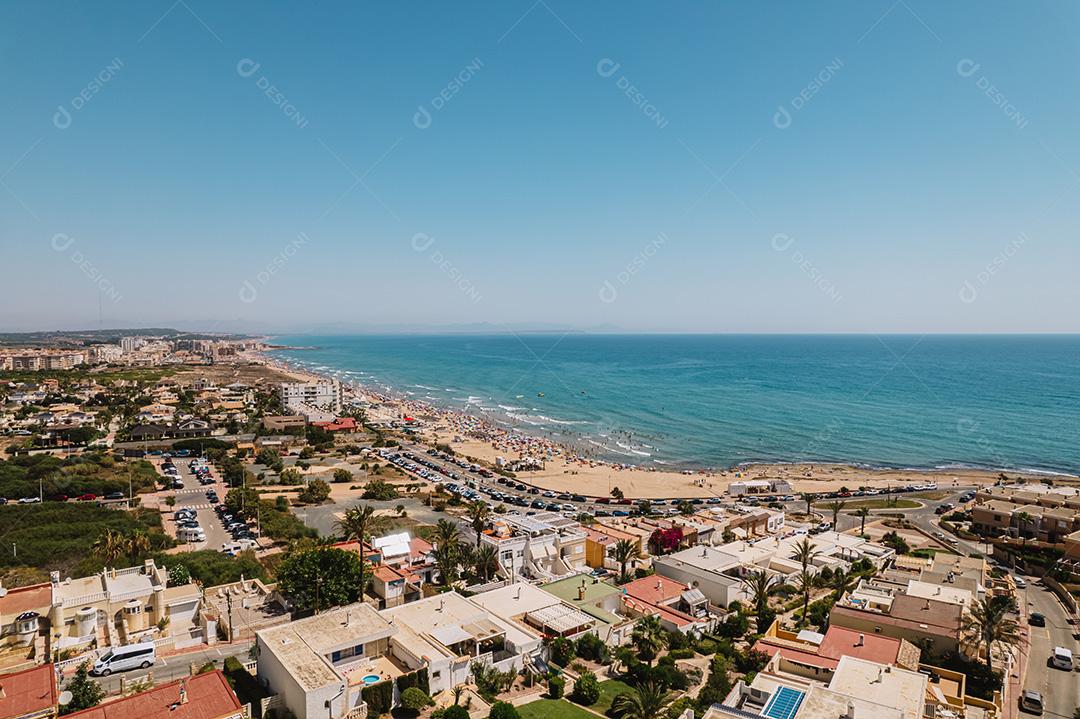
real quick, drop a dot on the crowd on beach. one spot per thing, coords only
(506, 441)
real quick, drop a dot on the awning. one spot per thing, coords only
(693, 596)
(560, 618)
(450, 635)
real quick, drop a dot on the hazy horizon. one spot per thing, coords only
(878, 168)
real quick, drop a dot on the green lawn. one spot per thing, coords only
(609, 689)
(553, 709)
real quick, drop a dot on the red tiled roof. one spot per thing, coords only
(28, 691)
(796, 655)
(208, 697)
(419, 547)
(654, 589)
(24, 599)
(841, 641)
(337, 425)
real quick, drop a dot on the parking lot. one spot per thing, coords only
(193, 496)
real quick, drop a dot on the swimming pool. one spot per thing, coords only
(372, 679)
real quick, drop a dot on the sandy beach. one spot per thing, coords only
(569, 469)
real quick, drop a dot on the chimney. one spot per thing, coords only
(581, 594)
(517, 594)
(862, 640)
(442, 603)
(183, 692)
(2, 694)
(850, 714)
(348, 617)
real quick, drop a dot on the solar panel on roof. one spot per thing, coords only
(784, 703)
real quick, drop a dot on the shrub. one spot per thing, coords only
(342, 475)
(379, 698)
(685, 653)
(562, 651)
(586, 689)
(592, 647)
(316, 492)
(291, 476)
(455, 711)
(379, 490)
(415, 699)
(556, 685)
(503, 710)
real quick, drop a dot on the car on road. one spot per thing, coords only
(131, 656)
(88, 497)
(1062, 658)
(1031, 702)
(1037, 619)
(114, 495)
(29, 500)
(1020, 581)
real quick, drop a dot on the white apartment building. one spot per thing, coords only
(309, 398)
(718, 571)
(545, 546)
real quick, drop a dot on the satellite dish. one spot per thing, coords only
(65, 698)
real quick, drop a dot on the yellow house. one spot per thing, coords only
(121, 606)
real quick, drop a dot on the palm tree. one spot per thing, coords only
(446, 551)
(478, 514)
(863, 513)
(646, 701)
(487, 561)
(759, 586)
(1023, 519)
(805, 553)
(358, 523)
(805, 584)
(809, 498)
(623, 551)
(648, 637)
(836, 506)
(841, 582)
(987, 624)
(109, 545)
(136, 544)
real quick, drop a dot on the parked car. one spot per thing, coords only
(88, 497)
(29, 500)
(114, 495)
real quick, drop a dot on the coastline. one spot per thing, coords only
(567, 469)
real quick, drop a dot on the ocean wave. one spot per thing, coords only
(631, 448)
(510, 408)
(607, 448)
(562, 421)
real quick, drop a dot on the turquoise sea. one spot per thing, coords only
(1008, 402)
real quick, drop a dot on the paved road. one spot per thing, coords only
(1060, 689)
(174, 667)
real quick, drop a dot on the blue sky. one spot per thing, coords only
(862, 166)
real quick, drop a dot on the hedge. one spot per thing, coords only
(379, 698)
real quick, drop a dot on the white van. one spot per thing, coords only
(1062, 658)
(120, 659)
(191, 534)
(240, 545)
